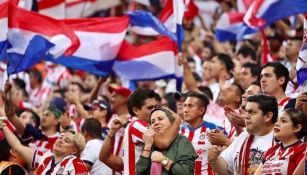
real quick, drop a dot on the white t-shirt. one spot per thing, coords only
(90, 155)
(258, 147)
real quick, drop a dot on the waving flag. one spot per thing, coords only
(100, 40)
(264, 12)
(243, 5)
(4, 29)
(230, 26)
(154, 60)
(301, 65)
(52, 8)
(145, 23)
(26, 25)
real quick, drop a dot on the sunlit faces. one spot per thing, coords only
(192, 109)
(269, 82)
(64, 145)
(117, 100)
(254, 119)
(216, 67)
(73, 90)
(284, 129)
(228, 94)
(246, 77)
(144, 112)
(159, 121)
(251, 90)
(206, 71)
(98, 113)
(25, 117)
(48, 120)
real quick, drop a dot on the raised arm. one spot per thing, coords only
(189, 79)
(106, 153)
(10, 110)
(165, 139)
(25, 152)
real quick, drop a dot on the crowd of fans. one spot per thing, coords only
(234, 115)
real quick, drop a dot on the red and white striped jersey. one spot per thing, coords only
(282, 161)
(45, 145)
(201, 144)
(44, 163)
(282, 104)
(133, 144)
(56, 76)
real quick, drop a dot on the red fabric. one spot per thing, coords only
(156, 168)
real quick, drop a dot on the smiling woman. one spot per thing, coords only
(63, 160)
(178, 159)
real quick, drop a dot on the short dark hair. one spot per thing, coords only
(256, 83)
(206, 91)
(254, 68)
(280, 71)
(138, 97)
(298, 118)
(226, 60)
(266, 104)
(247, 51)
(92, 127)
(81, 88)
(203, 100)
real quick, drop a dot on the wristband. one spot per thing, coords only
(171, 166)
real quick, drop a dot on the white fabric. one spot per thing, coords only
(91, 154)
(259, 146)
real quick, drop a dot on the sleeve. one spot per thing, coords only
(89, 154)
(185, 159)
(38, 158)
(229, 153)
(78, 168)
(143, 166)
(37, 134)
(137, 129)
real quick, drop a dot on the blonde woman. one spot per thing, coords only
(63, 160)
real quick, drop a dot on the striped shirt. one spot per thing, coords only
(133, 144)
(201, 144)
(45, 164)
(282, 161)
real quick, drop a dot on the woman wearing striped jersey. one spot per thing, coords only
(178, 159)
(284, 157)
(63, 160)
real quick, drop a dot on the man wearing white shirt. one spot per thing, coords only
(245, 153)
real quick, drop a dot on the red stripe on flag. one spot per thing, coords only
(44, 4)
(130, 52)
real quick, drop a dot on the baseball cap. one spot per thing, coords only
(97, 104)
(57, 106)
(120, 90)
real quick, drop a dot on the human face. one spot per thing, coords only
(159, 121)
(90, 81)
(48, 120)
(216, 67)
(117, 100)
(254, 119)
(228, 95)
(251, 90)
(191, 110)
(25, 117)
(98, 113)
(64, 145)
(246, 77)
(144, 112)
(284, 129)
(207, 71)
(292, 48)
(269, 81)
(72, 91)
(179, 106)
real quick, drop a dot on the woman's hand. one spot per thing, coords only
(148, 138)
(157, 156)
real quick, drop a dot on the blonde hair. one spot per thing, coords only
(78, 141)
